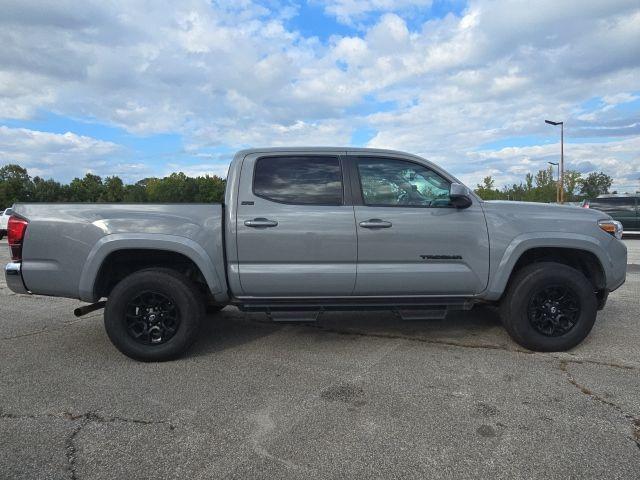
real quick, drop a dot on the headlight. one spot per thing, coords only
(611, 226)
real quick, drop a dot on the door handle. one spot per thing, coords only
(261, 223)
(375, 223)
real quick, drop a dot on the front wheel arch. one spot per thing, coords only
(582, 260)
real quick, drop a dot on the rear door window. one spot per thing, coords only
(299, 180)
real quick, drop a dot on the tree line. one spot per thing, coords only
(542, 187)
(17, 186)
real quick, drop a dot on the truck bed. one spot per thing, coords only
(66, 243)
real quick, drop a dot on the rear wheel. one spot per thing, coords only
(549, 307)
(154, 314)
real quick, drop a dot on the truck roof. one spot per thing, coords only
(322, 149)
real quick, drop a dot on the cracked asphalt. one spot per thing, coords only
(355, 395)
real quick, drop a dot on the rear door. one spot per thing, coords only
(295, 235)
(411, 241)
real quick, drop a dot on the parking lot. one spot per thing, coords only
(355, 395)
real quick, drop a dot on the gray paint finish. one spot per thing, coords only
(515, 227)
(65, 244)
(390, 260)
(311, 252)
(314, 250)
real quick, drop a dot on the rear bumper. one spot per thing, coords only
(13, 276)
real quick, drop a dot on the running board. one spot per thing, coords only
(428, 313)
(413, 314)
(412, 307)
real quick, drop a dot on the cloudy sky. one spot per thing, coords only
(142, 88)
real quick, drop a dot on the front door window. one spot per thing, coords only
(398, 183)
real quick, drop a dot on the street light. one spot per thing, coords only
(558, 182)
(561, 175)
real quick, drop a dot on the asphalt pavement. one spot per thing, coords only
(355, 395)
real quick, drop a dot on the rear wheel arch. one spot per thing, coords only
(127, 255)
(119, 264)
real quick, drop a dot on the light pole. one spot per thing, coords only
(561, 176)
(558, 181)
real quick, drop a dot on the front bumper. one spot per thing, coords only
(13, 276)
(617, 272)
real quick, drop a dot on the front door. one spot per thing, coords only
(411, 241)
(295, 235)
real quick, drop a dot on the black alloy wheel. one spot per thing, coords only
(152, 318)
(554, 310)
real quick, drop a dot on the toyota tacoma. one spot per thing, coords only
(304, 230)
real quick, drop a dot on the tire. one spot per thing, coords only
(173, 300)
(527, 309)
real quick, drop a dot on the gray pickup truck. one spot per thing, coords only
(303, 230)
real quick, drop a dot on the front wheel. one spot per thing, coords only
(153, 315)
(549, 307)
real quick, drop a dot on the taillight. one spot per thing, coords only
(16, 228)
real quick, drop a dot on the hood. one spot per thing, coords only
(542, 217)
(537, 208)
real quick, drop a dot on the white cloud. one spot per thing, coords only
(617, 99)
(234, 74)
(350, 11)
(620, 159)
(62, 155)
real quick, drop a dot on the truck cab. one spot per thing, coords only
(353, 224)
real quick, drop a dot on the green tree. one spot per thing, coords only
(596, 184)
(572, 182)
(87, 189)
(546, 187)
(528, 182)
(209, 189)
(135, 193)
(177, 187)
(113, 190)
(47, 190)
(15, 185)
(487, 191)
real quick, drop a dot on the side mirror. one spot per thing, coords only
(460, 196)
